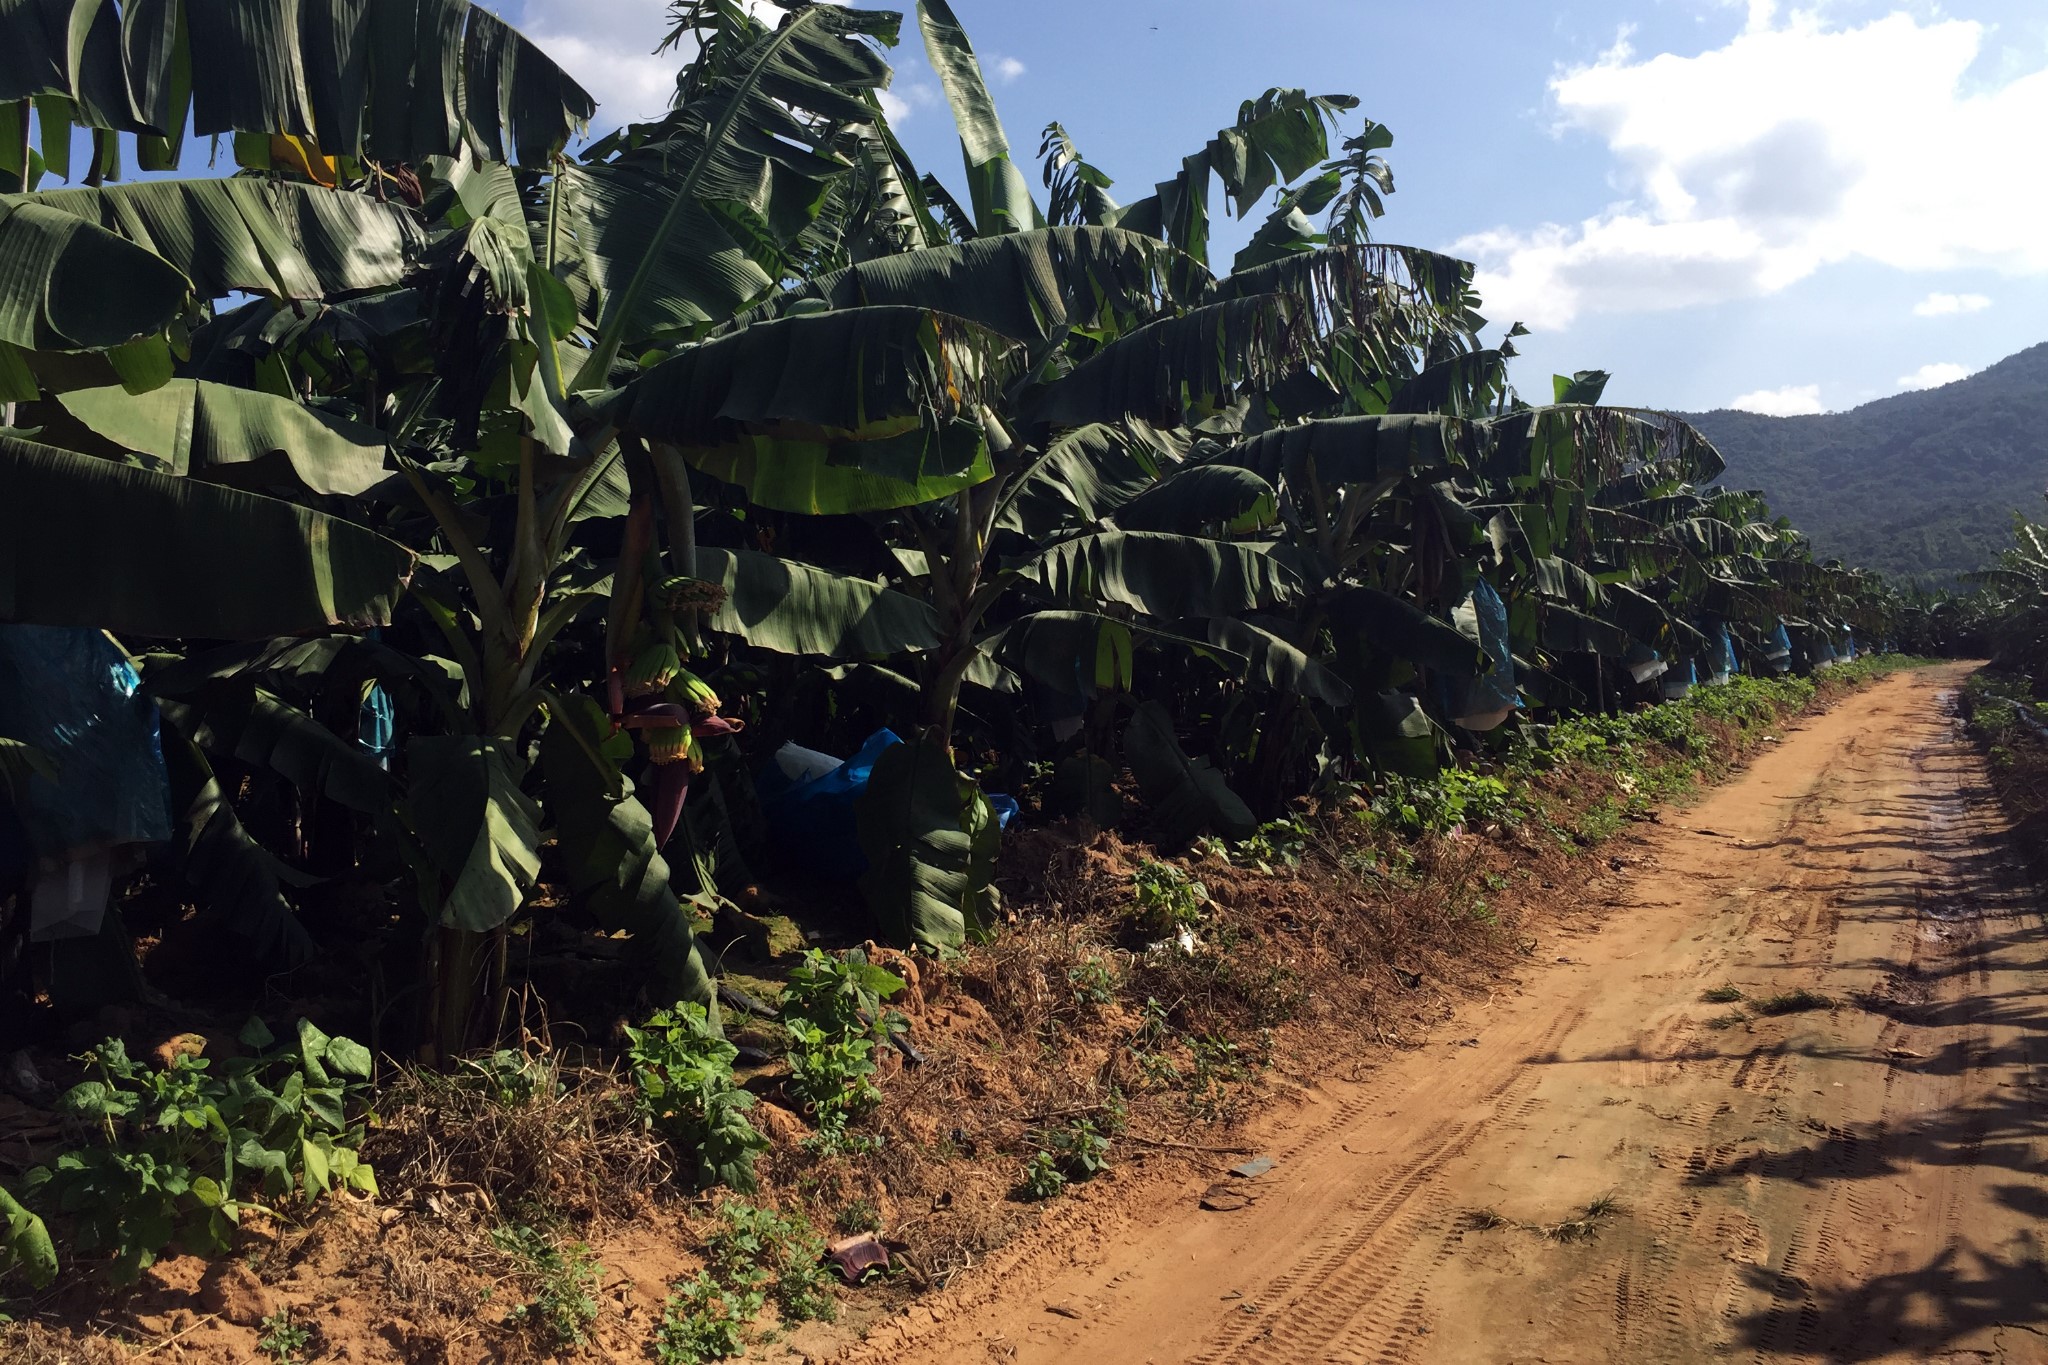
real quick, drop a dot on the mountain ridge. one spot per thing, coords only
(1921, 486)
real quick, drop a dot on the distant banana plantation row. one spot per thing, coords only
(520, 535)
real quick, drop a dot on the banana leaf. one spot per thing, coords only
(1204, 500)
(1036, 286)
(397, 80)
(1340, 451)
(791, 607)
(226, 435)
(87, 542)
(1174, 369)
(72, 285)
(1264, 660)
(1277, 137)
(235, 878)
(479, 832)
(931, 839)
(1163, 576)
(1187, 796)
(1083, 476)
(26, 1244)
(1395, 626)
(255, 235)
(855, 411)
(609, 856)
(754, 144)
(996, 186)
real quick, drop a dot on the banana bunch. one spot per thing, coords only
(687, 689)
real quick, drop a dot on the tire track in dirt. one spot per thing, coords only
(1858, 1182)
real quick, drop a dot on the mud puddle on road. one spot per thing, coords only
(1843, 1164)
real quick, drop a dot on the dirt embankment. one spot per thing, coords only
(1615, 1158)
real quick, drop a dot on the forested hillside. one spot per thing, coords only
(1922, 485)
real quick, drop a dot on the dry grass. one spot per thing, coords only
(1792, 1002)
(31, 1343)
(565, 1139)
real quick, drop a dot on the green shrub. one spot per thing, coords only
(755, 1257)
(833, 1015)
(1043, 1178)
(682, 1079)
(1165, 898)
(704, 1320)
(777, 1253)
(184, 1150)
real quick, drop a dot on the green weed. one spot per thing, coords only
(1721, 995)
(1043, 1178)
(681, 1070)
(704, 1320)
(857, 1216)
(1165, 898)
(184, 1150)
(282, 1340)
(833, 1017)
(564, 1276)
(759, 1248)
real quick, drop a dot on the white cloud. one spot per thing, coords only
(1933, 376)
(609, 49)
(1749, 167)
(894, 107)
(1942, 305)
(1007, 69)
(1794, 400)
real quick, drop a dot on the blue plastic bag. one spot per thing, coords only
(1720, 662)
(1778, 649)
(72, 694)
(1483, 701)
(811, 821)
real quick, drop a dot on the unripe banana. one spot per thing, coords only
(653, 667)
(670, 744)
(687, 689)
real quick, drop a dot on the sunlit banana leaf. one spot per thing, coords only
(254, 234)
(931, 839)
(71, 285)
(398, 80)
(854, 411)
(87, 542)
(754, 145)
(996, 186)
(1277, 137)
(229, 435)
(796, 608)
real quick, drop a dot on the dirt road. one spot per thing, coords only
(1860, 1182)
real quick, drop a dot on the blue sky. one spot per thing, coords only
(1724, 202)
